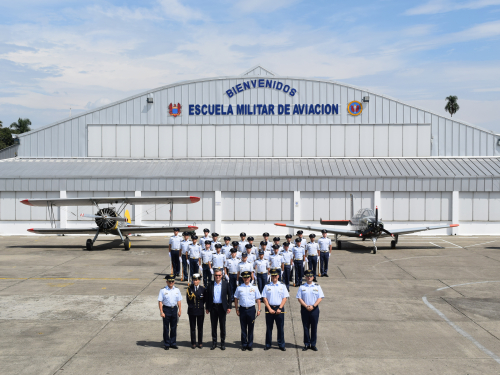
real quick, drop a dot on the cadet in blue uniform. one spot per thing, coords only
(244, 303)
(184, 254)
(195, 297)
(218, 259)
(268, 243)
(303, 241)
(298, 261)
(325, 248)
(312, 249)
(310, 296)
(205, 237)
(276, 260)
(261, 267)
(244, 265)
(287, 264)
(214, 242)
(206, 260)
(194, 254)
(243, 242)
(174, 250)
(275, 295)
(251, 257)
(276, 241)
(263, 246)
(292, 244)
(232, 265)
(254, 249)
(236, 246)
(169, 302)
(226, 248)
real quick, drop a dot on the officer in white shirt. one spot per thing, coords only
(174, 248)
(243, 242)
(312, 249)
(275, 295)
(244, 266)
(215, 236)
(169, 303)
(232, 267)
(194, 254)
(185, 258)
(310, 296)
(287, 264)
(276, 260)
(263, 246)
(245, 298)
(205, 237)
(218, 259)
(325, 248)
(292, 244)
(206, 261)
(261, 267)
(254, 249)
(251, 257)
(276, 241)
(268, 243)
(303, 241)
(226, 248)
(236, 246)
(298, 261)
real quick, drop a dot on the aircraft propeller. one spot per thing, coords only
(375, 227)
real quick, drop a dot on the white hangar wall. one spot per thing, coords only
(132, 128)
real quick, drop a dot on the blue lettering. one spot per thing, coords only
(281, 109)
(222, 110)
(230, 110)
(240, 109)
(286, 88)
(264, 109)
(261, 83)
(296, 109)
(328, 109)
(335, 109)
(274, 84)
(249, 112)
(311, 110)
(269, 83)
(254, 83)
(212, 111)
(254, 111)
(322, 109)
(246, 85)
(303, 109)
(217, 109)
(234, 90)
(271, 109)
(239, 88)
(191, 109)
(204, 109)
(229, 93)
(197, 110)
(259, 106)
(317, 109)
(292, 93)
(279, 86)
(287, 109)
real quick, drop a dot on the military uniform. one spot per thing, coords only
(287, 256)
(242, 243)
(298, 262)
(261, 267)
(276, 295)
(218, 259)
(245, 298)
(324, 247)
(206, 237)
(232, 266)
(175, 248)
(244, 266)
(206, 263)
(310, 295)
(194, 253)
(169, 298)
(214, 242)
(195, 297)
(185, 258)
(226, 248)
(312, 249)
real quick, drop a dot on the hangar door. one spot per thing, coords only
(333, 205)
(257, 206)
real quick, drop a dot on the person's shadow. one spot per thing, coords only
(208, 345)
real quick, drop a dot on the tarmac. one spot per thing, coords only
(430, 306)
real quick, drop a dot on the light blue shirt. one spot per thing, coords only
(232, 265)
(175, 241)
(254, 250)
(275, 293)
(310, 293)
(267, 254)
(241, 246)
(261, 265)
(218, 260)
(206, 256)
(212, 246)
(247, 294)
(185, 246)
(312, 249)
(251, 258)
(203, 239)
(170, 296)
(194, 251)
(245, 266)
(275, 260)
(217, 292)
(298, 253)
(303, 243)
(287, 256)
(269, 246)
(324, 243)
(226, 250)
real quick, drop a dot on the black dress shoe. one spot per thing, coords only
(305, 348)
(174, 346)
(267, 348)
(200, 346)
(165, 347)
(193, 346)
(243, 348)
(214, 345)
(283, 349)
(249, 348)
(314, 348)
(222, 347)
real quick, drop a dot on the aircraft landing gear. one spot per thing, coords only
(394, 242)
(89, 245)
(374, 240)
(339, 245)
(126, 243)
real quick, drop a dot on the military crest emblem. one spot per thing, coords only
(174, 109)
(354, 108)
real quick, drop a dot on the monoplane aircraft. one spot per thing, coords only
(109, 219)
(365, 224)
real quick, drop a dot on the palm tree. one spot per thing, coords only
(21, 126)
(452, 106)
(1, 124)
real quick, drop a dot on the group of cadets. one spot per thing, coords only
(247, 275)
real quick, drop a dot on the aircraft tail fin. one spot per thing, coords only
(127, 215)
(352, 206)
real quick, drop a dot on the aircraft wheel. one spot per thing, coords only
(126, 244)
(393, 244)
(374, 251)
(339, 245)
(89, 245)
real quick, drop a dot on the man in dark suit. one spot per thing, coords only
(218, 304)
(195, 296)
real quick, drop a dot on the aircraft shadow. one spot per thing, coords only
(108, 245)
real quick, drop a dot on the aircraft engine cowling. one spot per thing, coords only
(106, 222)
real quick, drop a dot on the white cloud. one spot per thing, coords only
(98, 103)
(263, 6)
(174, 10)
(125, 13)
(444, 6)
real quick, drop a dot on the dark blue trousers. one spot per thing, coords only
(170, 325)
(310, 323)
(176, 264)
(207, 275)
(324, 256)
(280, 325)
(185, 266)
(232, 283)
(313, 263)
(286, 276)
(261, 281)
(247, 322)
(299, 271)
(194, 266)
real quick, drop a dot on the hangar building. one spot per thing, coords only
(259, 148)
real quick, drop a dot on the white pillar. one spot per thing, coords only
(218, 212)
(455, 211)
(137, 211)
(296, 207)
(63, 213)
(376, 199)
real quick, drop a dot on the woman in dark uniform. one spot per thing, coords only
(195, 296)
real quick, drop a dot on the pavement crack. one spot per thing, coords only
(341, 272)
(401, 268)
(449, 286)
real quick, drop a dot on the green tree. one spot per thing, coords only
(5, 138)
(21, 126)
(452, 106)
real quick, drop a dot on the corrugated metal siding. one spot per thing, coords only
(9, 152)
(387, 126)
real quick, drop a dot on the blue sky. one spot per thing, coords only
(59, 54)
